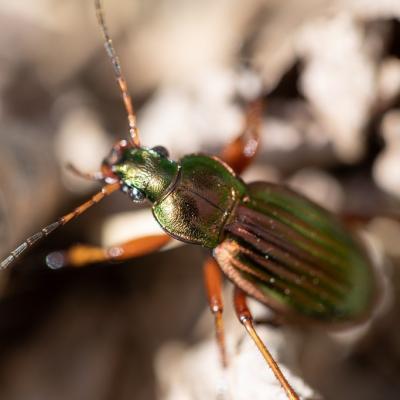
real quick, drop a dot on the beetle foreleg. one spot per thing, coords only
(246, 318)
(212, 281)
(82, 255)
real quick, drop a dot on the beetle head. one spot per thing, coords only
(143, 173)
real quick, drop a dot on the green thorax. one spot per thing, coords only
(193, 199)
(201, 201)
(147, 171)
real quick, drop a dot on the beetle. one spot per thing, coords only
(274, 244)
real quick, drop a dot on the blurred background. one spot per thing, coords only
(330, 71)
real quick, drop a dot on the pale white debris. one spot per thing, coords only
(386, 170)
(81, 141)
(388, 230)
(125, 226)
(319, 186)
(189, 118)
(388, 80)
(371, 9)
(338, 80)
(187, 373)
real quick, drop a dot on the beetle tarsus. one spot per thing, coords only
(56, 260)
(6, 262)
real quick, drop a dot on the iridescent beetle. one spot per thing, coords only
(272, 243)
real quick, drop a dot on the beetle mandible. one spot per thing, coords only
(274, 244)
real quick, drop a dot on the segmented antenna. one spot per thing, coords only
(105, 191)
(133, 130)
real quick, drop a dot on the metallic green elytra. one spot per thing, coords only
(273, 243)
(296, 257)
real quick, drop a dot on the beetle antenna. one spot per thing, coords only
(133, 130)
(28, 243)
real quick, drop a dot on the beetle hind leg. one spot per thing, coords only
(245, 317)
(212, 281)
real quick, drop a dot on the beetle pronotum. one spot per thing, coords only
(272, 243)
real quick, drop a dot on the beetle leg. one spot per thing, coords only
(212, 280)
(353, 220)
(82, 255)
(246, 318)
(240, 152)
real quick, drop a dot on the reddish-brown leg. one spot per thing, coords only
(358, 220)
(213, 284)
(240, 153)
(246, 319)
(82, 255)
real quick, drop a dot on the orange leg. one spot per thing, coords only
(240, 153)
(212, 280)
(246, 319)
(82, 255)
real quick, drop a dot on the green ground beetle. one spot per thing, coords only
(272, 243)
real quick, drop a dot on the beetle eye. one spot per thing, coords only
(135, 194)
(161, 150)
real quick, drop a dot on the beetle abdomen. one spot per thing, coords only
(200, 203)
(296, 257)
